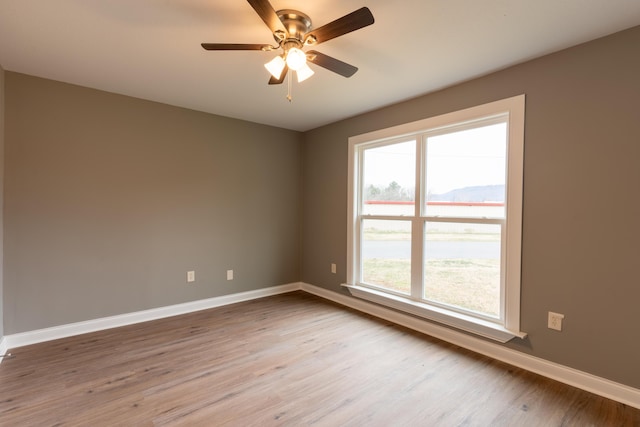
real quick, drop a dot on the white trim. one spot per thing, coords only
(4, 348)
(63, 331)
(352, 203)
(461, 321)
(583, 380)
(513, 231)
(441, 122)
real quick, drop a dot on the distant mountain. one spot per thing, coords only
(479, 193)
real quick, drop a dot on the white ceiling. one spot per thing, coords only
(150, 49)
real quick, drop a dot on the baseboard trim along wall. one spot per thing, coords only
(3, 348)
(585, 381)
(94, 325)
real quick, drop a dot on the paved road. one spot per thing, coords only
(435, 250)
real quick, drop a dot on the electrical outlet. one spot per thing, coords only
(555, 321)
(333, 268)
(229, 274)
(191, 276)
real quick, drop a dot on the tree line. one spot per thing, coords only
(392, 192)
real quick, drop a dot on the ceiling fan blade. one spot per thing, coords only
(235, 46)
(348, 23)
(275, 81)
(268, 14)
(331, 64)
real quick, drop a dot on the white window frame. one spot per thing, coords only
(508, 326)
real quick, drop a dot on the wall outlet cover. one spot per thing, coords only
(555, 321)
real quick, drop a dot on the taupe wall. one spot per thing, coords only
(581, 204)
(1, 199)
(110, 200)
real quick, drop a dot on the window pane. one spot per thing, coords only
(465, 174)
(386, 254)
(389, 179)
(462, 266)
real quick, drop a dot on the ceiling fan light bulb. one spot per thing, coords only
(275, 66)
(304, 73)
(296, 58)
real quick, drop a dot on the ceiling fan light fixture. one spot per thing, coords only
(304, 73)
(275, 66)
(296, 58)
(292, 31)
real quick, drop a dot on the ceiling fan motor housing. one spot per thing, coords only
(297, 25)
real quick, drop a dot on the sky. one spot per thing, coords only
(454, 160)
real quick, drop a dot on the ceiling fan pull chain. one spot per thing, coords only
(289, 98)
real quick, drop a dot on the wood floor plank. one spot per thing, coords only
(292, 360)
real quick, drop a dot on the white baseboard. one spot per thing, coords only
(3, 348)
(585, 381)
(63, 331)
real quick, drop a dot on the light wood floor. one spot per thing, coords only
(292, 359)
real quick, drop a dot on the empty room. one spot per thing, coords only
(354, 213)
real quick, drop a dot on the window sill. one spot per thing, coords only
(457, 320)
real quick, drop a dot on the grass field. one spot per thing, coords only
(466, 283)
(472, 284)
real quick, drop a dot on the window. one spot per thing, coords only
(435, 213)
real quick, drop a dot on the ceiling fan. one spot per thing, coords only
(292, 32)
